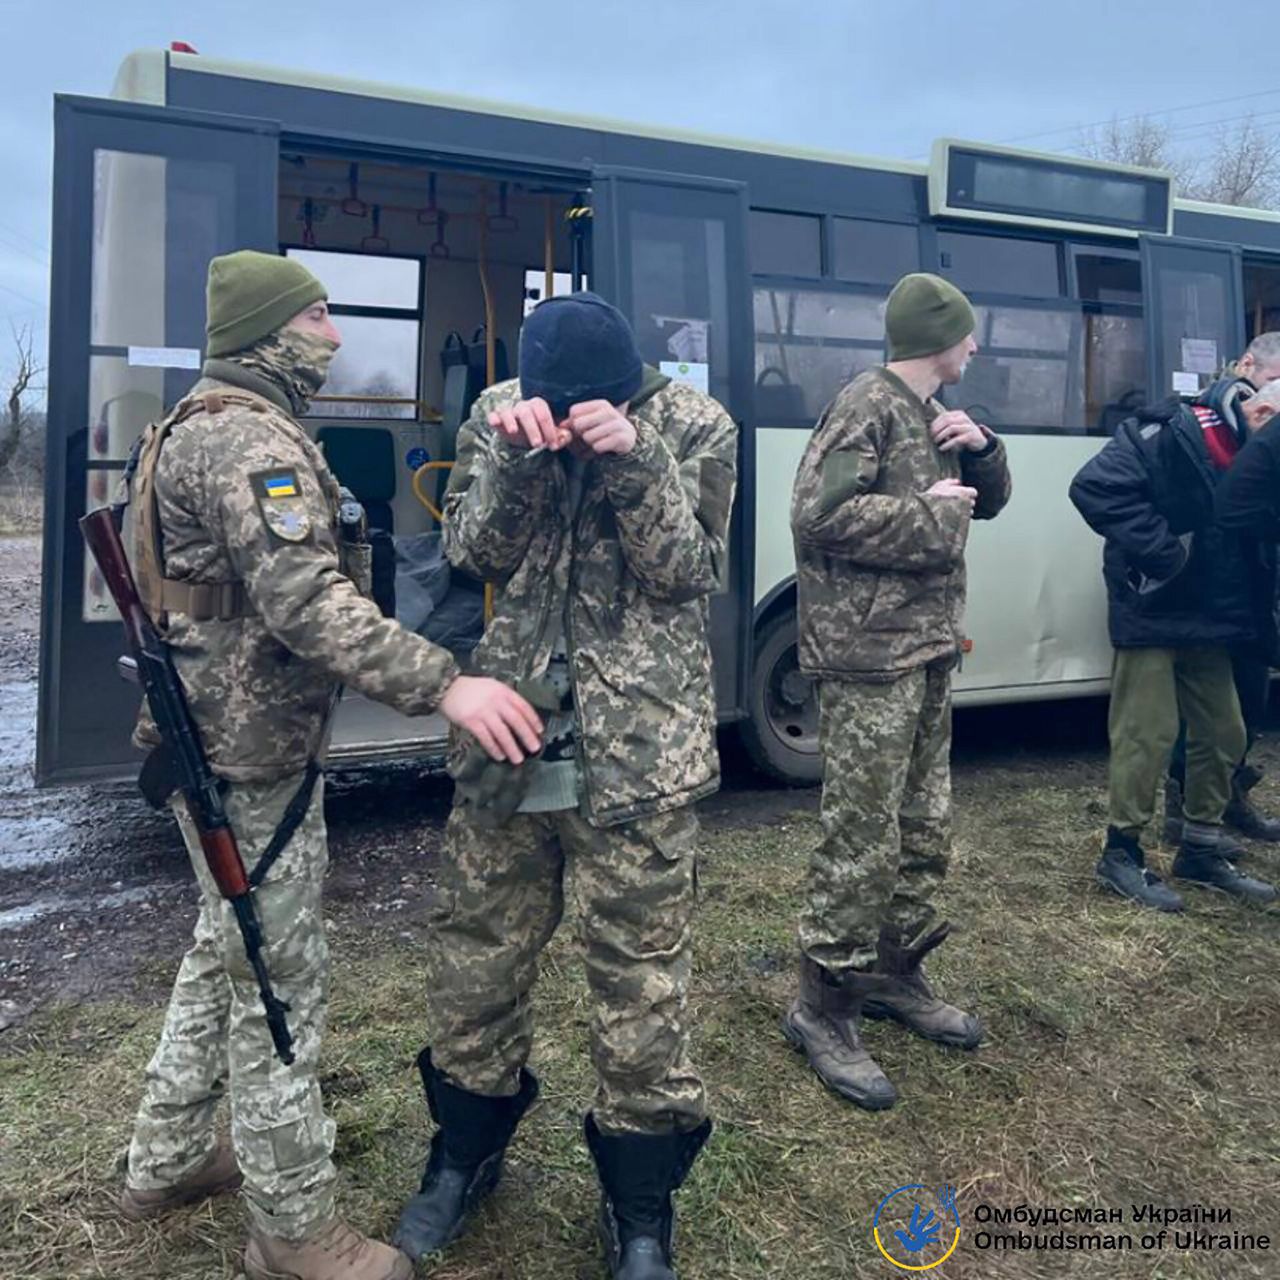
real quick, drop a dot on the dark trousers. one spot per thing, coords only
(1253, 682)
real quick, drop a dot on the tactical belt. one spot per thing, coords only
(205, 601)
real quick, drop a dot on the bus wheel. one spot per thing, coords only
(781, 729)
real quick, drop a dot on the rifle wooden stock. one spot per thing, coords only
(225, 864)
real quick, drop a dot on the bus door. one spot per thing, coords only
(144, 196)
(1194, 312)
(670, 251)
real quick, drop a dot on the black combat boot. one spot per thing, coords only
(1242, 815)
(1201, 860)
(1172, 832)
(1123, 869)
(638, 1172)
(465, 1161)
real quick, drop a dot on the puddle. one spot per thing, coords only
(33, 841)
(16, 917)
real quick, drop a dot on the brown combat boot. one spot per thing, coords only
(215, 1174)
(910, 1000)
(335, 1252)
(822, 1023)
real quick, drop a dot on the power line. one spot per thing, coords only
(14, 233)
(13, 247)
(1142, 115)
(17, 294)
(1201, 132)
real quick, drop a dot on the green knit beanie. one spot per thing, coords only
(925, 314)
(252, 294)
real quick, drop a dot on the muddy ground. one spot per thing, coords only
(1130, 1056)
(97, 897)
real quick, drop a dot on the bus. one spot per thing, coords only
(756, 271)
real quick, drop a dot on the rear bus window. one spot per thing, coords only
(786, 244)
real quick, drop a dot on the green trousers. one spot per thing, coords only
(1150, 689)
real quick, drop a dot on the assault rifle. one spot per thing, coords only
(179, 763)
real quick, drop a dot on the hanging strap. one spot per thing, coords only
(297, 807)
(291, 820)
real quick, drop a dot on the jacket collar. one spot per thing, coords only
(247, 380)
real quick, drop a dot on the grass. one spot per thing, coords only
(1131, 1058)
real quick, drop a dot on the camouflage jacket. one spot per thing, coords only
(635, 569)
(245, 496)
(880, 566)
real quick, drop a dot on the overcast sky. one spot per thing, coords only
(883, 77)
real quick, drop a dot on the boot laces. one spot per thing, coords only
(342, 1241)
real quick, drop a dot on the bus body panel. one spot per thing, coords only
(1036, 612)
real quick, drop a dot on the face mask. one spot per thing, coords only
(295, 360)
(307, 356)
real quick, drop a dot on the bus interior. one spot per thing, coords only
(430, 273)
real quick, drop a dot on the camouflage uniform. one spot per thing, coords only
(629, 575)
(880, 573)
(242, 495)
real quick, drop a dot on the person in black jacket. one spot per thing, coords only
(1247, 506)
(1251, 668)
(1180, 592)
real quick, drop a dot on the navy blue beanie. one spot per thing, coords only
(578, 347)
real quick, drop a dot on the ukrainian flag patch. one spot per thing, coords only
(282, 504)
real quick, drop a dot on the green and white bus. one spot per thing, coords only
(754, 270)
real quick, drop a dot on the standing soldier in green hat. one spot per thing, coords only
(239, 564)
(881, 511)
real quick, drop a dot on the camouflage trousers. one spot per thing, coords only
(886, 813)
(501, 897)
(215, 1039)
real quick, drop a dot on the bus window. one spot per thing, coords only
(1024, 374)
(1108, 277)
(873, 252)
(535, 282)
(785, 244)
(809, 343)
(375, 302)
(1000, 264)
(1115, 370)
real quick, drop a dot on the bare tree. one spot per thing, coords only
(25, 373)
(1243, 168)
(1237, 166)
(22, 429)
(1138, 141)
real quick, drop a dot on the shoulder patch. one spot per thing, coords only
(281, 502)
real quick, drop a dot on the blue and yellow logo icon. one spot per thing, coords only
(915, 1228)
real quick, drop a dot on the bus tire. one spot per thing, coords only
(780, 732)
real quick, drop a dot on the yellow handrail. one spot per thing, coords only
(438, 516)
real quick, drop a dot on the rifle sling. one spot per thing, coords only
(291, 820)
(297, 808)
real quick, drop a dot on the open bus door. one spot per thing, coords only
(671, 252)
(1194, 312)
(143, 198)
